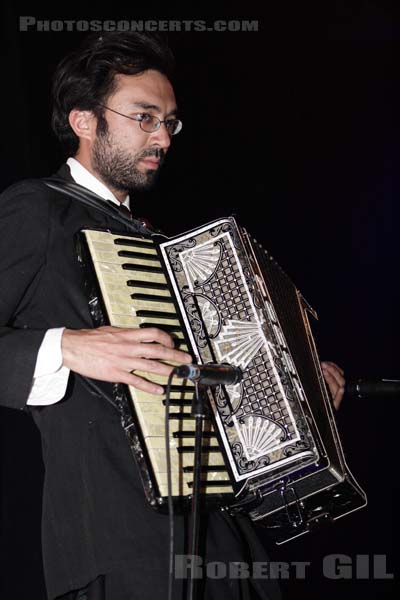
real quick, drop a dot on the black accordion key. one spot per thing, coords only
(140, 255)
(206, 469)
(147, 284)
(142, 268)
(133, 242)
(204, 449)
(167, 328)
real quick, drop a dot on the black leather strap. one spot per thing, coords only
(88, 198)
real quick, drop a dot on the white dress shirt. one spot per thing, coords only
(50, 377)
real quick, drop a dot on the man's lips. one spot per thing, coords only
(151, 162)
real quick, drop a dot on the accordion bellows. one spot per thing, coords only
(270, 446)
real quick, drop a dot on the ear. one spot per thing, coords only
(83, 123)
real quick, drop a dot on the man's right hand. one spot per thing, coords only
(112, 353)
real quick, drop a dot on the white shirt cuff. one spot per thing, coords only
(50, 378)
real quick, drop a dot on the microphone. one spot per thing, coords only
(210, 374)
(373, 388)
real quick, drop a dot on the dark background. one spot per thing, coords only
(292, 129)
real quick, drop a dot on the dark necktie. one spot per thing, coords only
(128, 215)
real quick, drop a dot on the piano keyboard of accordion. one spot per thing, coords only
(135, 293)
(272, 449)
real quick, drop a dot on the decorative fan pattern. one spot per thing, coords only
(258, 436)
(235, 395)
(200, 262)
(239, 342)
(210, 315)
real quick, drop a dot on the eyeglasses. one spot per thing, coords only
(151, 123)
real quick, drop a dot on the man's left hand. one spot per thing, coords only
(334, 377)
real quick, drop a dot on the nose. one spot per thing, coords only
(161, 137)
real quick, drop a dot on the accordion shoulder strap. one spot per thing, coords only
(83, 196)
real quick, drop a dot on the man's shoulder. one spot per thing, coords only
(25, 186)
(26, 197)
(33, 193)
(36, 186)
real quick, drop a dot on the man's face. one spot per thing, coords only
(125, 156)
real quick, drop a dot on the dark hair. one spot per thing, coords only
(86, 76)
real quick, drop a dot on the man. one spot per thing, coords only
(115, 111)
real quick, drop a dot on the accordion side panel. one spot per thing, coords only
(292, 313)
(328, 491)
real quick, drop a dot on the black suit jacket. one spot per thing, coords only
(94, 511)
(95, 516)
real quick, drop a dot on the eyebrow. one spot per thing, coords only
(147, 106)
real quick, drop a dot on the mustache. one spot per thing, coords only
(158, 153)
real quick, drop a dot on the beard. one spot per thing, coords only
(119, 168)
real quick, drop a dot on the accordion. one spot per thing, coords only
(270, 443)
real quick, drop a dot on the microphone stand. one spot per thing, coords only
(199, 413)
(212, 375)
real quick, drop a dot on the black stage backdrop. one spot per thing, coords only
(291, 128)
